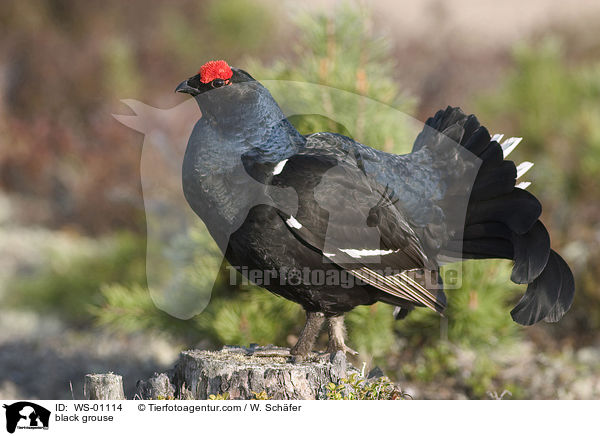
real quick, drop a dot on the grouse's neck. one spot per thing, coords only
(245, 117)
(249, 123)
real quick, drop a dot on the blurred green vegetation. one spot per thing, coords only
(65, 67)
(554, 103)
(478, 312)
(342, 52)
(69, 285)
(555, 107)
(358, 387)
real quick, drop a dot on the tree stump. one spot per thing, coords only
(157, 387)
(243, 373)
(233, 372)
(103, 387)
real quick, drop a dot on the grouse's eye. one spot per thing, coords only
(217, 83)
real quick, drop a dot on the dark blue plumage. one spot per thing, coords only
(276, 200)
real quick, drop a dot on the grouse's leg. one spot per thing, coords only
(337, 332)
(309, 333)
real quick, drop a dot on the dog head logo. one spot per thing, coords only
(26, 415)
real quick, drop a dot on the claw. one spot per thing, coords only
(351, 351)
(332, 349)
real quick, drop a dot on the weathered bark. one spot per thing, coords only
(241, 373)
(244, 372)
(103, 387)
(158, 386)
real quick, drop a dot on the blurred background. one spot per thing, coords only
(73, 295)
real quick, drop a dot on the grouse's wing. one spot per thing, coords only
(354, 221)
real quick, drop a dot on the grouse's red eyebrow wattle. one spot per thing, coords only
(214, 70)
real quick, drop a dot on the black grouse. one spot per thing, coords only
(376, 226)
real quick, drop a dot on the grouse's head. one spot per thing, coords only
(213, 75)
(230, 95)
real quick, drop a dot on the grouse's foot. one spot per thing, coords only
(308, 336)
(337, 332)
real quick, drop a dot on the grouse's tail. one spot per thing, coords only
(502, 220)
(430, 280)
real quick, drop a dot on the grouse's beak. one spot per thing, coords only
(186, 88)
